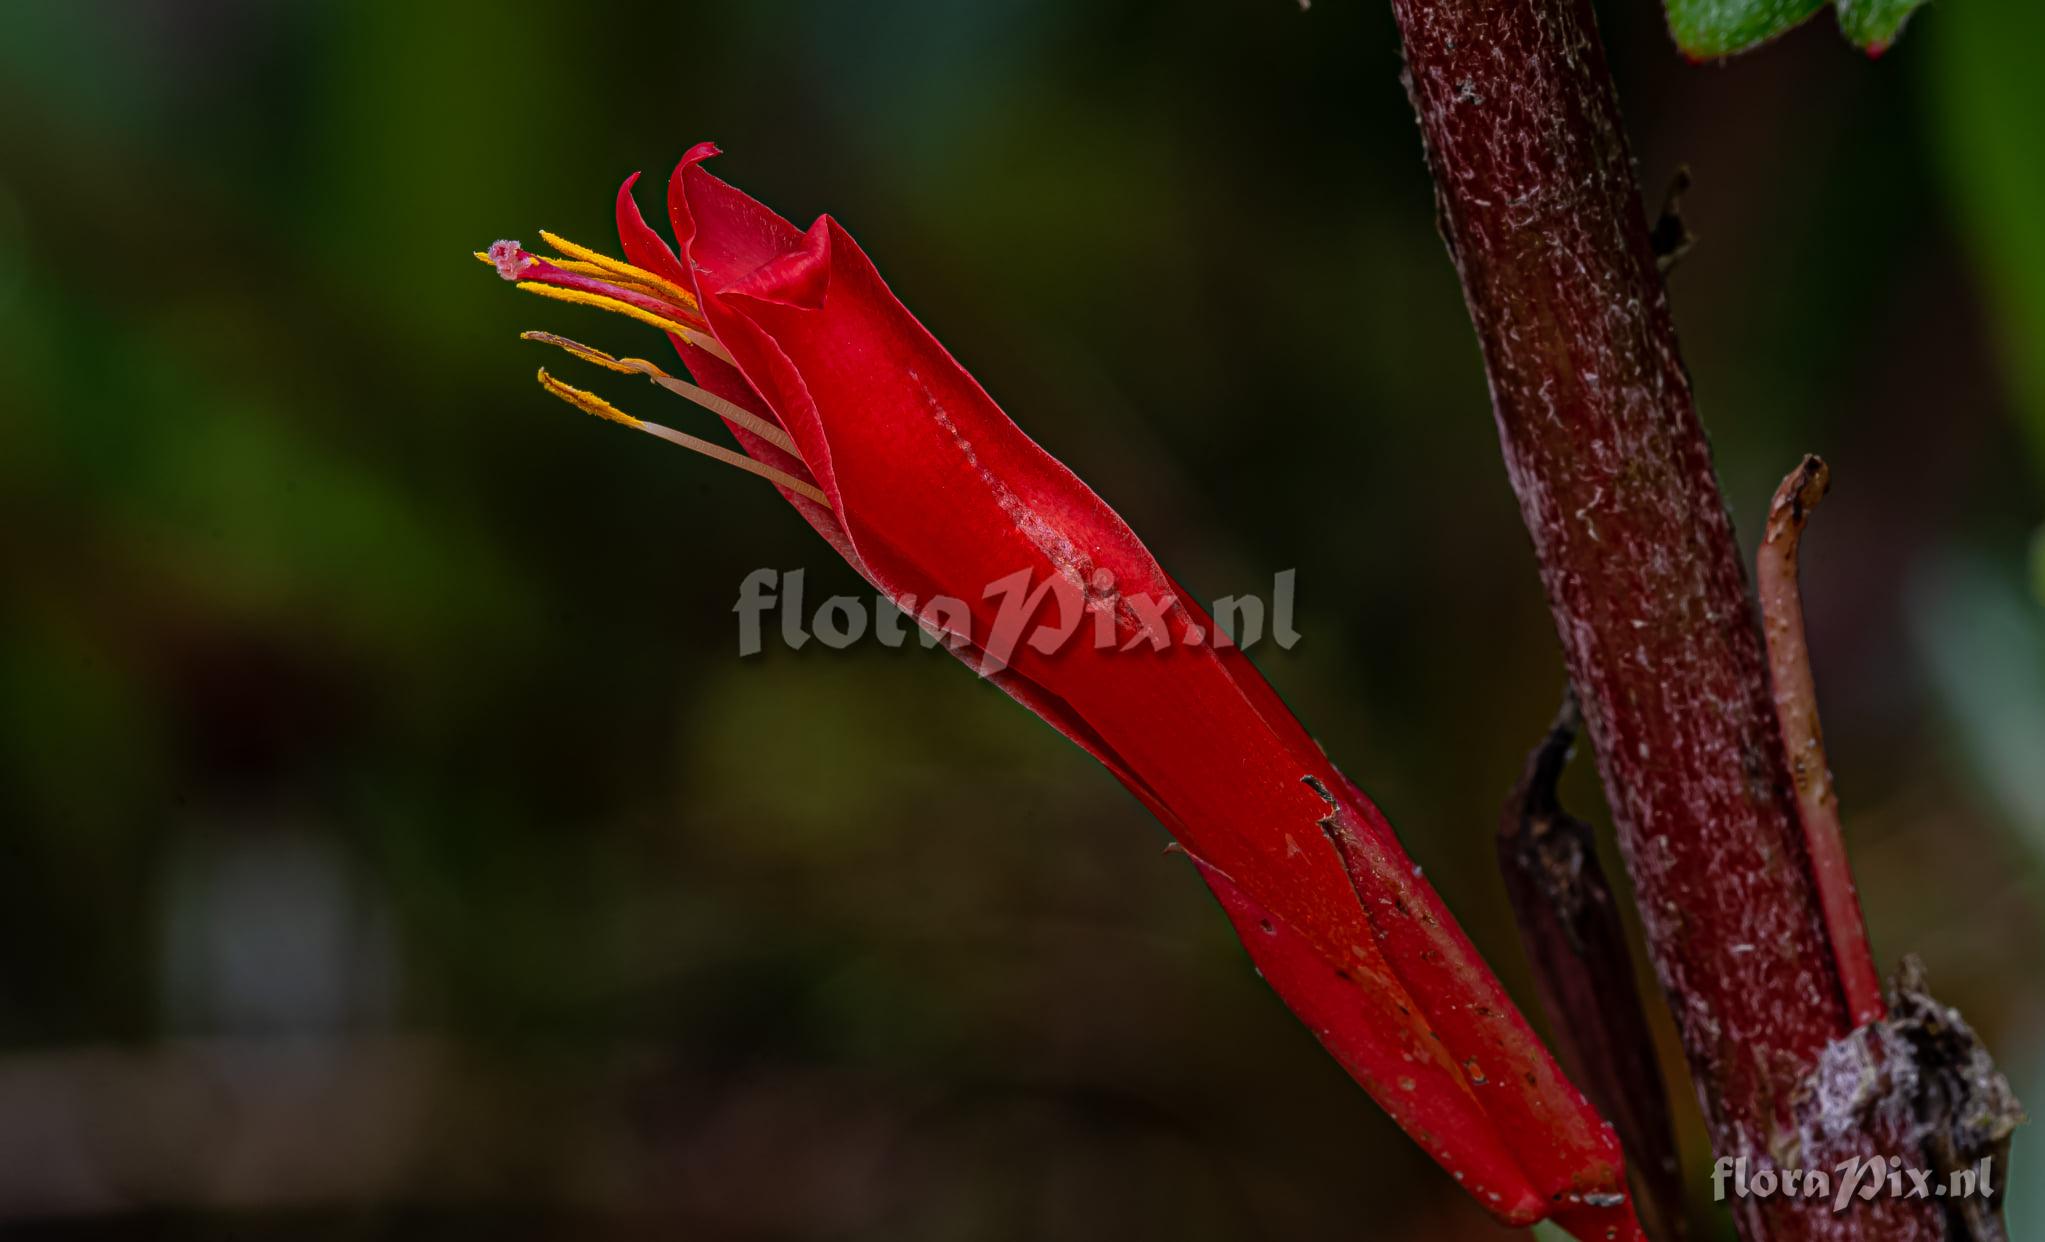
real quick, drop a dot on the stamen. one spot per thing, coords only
(591, 354)
(522, 265)
(604, 285)
(590, 403)
(618, 267)
(708, 400)
(642, 289)
(607, 276)
(596, 281)
(730, 413)
(694, 336)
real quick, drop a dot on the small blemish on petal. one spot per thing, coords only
(1065, 555)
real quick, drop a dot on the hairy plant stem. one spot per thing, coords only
(1539, 205)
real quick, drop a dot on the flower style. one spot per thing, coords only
(902, 462)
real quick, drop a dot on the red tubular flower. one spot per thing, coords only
(906, 466)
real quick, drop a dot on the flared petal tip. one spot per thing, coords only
(700, 152)
(799, 278)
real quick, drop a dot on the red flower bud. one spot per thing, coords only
(913, 474)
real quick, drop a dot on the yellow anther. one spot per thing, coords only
(710, 401)
(591, 354)
(584, 298)
(638, 282)
(590, 403)
(694, 336)
(617, 267)
(587, 402)
(610, 277)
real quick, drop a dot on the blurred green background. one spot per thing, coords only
(392, 843)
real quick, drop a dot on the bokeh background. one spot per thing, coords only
(394, 845)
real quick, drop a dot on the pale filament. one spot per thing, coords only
(708, 400)
(590, 403)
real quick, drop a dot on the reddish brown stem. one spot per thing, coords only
(1538, 203)
(1803, 740)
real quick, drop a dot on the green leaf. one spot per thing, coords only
(1874, 24)
(1707, 29)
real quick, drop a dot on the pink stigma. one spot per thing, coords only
(510, 258)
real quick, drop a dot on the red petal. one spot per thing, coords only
(1430, 1100)
(644, 247)
(745, 234)
(1468, 1009)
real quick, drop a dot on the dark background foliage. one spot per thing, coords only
(392, 842)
